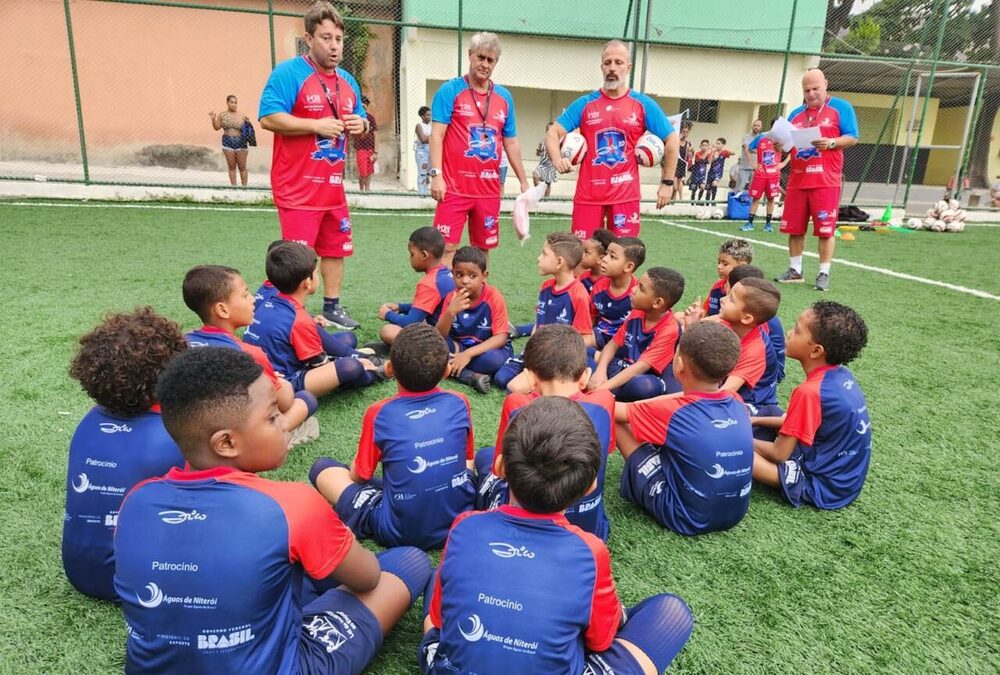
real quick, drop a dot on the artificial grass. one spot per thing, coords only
(903, 580)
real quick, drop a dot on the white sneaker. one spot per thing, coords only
(305, 432)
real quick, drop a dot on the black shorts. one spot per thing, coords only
(233, 143)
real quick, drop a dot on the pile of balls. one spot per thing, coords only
(944, 216)
(708, 213)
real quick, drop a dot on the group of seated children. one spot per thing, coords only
(166, 515)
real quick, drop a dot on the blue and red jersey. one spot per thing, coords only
(758, 368)
(588, 279)
(588, 512)
(828, 415)
(211, 336)
(776, 334)
(610, 310)
(706, 458)
(768, 158)
(423, 441)
(609, 173)
(288, 335)
(713, 301)
(717, 164)
(264, 293)
(108, 455)
(209, 566)
(569, 305)
(477, 124)
(654, 344)
(428, 298)
(481, 321)
(521, 592)
(699, 166)
(307, 171)
(812, 168)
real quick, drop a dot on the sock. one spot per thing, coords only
(348, 370)
(768, 219)
(330, 303)
(659, 626)
(307, 397)
(824, 268)
(795, 262)
(322, 464)
(754, 215)
(410, 564)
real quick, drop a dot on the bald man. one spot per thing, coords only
(612, 119)
(816, 177)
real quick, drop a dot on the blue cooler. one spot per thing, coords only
(738, 206)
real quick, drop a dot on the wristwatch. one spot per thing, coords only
(434, 173)
(831, 144)
(667, 181)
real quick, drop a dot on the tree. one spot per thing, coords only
(863, 37)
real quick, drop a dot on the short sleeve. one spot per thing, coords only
(369, 454)
(752, 363)
(509, 125)
(498, 309)
(425, 297)
(605, 607)
(573, 115)
(305, 338)
(805, 414)
(650, 419)
(444, 102)
(848, 119)
(656, 121)
(582, 321)
(280, 92)
(660, 352)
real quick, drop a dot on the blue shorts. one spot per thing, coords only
(233, 143)
(643, 482)
(794, 486)
(357, 505)
(339, 634)
(491, 489)
(297, 379)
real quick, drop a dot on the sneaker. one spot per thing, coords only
(822, 282)
(379, 372)
(366, 352)
(482, 383)
(790, 277)
(378, 348)
(768, 227)
(747, 227)
(339, 317)
(305, 432)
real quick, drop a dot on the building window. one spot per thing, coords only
(701, 109)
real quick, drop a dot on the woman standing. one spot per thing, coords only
(234, 145)
(421, 145)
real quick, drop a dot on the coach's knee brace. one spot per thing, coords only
(659, 626)
(410, 564)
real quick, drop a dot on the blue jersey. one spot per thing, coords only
(481, 321)
(107, 457)
(267, 291)
(776, 334)
(423, 442)
(717, 166)
(209, 566)
(828, 415)
(763, 391)
(287, 334)
(569, 306)
(521, 592)
(610, 310)
(713, 301)
(654, 345)
(702, 472)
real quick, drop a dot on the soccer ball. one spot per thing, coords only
(954, 226)
(942, 206)
(954, 204)
(703, 213)
(573, 147)
(948, 215)
(649, 150)
(914, 223)
(717, 213)
(938, 226)
(929, 222)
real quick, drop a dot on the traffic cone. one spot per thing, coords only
(886, 214)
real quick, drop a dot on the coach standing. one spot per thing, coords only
(612, 119)
(311, 105)
(471, 117)
(817, 174)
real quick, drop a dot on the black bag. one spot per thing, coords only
(248, 134)
(852, 214)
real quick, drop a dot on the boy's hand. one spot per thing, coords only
(458, 362)
(322, 321)
(597, 380)
(694, 313)
(368, 365)
(459, 302)
(386, 308)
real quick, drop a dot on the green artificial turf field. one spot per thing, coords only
(904, 580)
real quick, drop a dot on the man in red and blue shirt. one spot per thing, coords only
(612, 119)
(472, 119)
(817, 173)
(311, 105)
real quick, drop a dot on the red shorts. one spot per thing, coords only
(821, 203)
(764, 184)
(366, 165)
(483, 214)
(326, 232)
(622, 219)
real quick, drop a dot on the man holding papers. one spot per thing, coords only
(819, 131)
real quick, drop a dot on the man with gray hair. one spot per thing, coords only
(612, 119)
(471, 118)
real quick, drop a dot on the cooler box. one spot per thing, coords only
(738, 206)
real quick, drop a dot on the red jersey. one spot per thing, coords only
(812, 168)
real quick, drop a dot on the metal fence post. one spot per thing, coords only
(967, 142)
(645, 45)
(635, 40)
(784, 66)
(270, 29)
(76, 94)
(459, 38)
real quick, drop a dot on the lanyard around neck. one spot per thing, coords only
(811, 119)
(485, 111)
(326, 90)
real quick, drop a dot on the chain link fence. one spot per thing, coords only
(119, 92)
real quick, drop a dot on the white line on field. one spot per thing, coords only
(846, 263)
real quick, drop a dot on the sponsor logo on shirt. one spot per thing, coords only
(191, 343)
(806, 154)
(863, 427)
(485, 323)
(728, 453)
(158, 566)
(334, 180)
(420, 414)
(502, 549)
(718, 472)
(632, 120)
(313, 99)
(502, 603)
(482, 143)
(419, 464)
(563, 317)
(489, 175)
(112, 428)
(108, 464)
(745, 490)
(459, 479)
(175, 517)
(403, 496)
(226, 638)
(501, 116)
(724, 424)
(157, 597)
(82, 484)
(656, 488)
(473, 630)
(330, 150)
(610, 151)
(649, 466)
(594, 115)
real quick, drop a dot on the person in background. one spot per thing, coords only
(366, 150)
(234, 146)
(422, 150)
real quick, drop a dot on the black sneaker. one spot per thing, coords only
(339, 317)
(378, 348)
(482, 383)
(822, 282)
(790, 277)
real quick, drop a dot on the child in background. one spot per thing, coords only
(685, 156)
(732, 252)
(119, 443)
(692, 470)
(555, 362)
(773, 329)
(824, 441)
(611, 298)
(589, 269)
(426, 247)
(561, 299)
(210, 560)
(474, 322)
(289, 336)
(544, 172)
(699, 170)
(221, 299)
(423, 439)
(716, 169)
(520, 590)
(635, 365)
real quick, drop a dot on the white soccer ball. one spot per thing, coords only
(953, 204)
(960, 215)
(703, 213)
(929, 222)
(649, 150)
(718, 213)
(932, 212)
(942, 206)
(938, 226)
(573, 147)
(954, 226)
(948, 215)
(914, 223)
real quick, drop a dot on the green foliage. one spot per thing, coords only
(902, 581)
(357, 41)
(863, 37)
